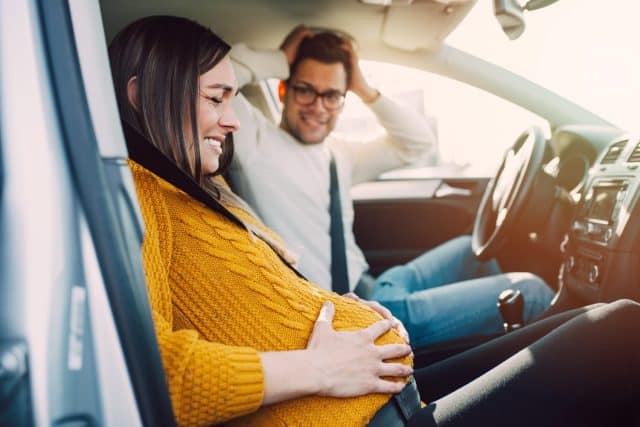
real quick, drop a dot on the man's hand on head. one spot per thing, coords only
(358, 83)
(291, 43)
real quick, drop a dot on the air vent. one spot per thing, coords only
(635, 155)
(614, 152)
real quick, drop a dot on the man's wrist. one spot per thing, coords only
(369, 96)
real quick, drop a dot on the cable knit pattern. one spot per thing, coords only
(219, 296)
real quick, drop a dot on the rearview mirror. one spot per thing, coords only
(510, 16)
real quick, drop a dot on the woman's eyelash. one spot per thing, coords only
(215, 100)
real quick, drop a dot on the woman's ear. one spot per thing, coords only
(132, 92)
(282, 90)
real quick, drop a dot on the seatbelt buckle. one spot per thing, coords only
(408, 400)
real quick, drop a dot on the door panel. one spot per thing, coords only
(393, 230)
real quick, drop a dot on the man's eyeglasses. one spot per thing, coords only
(307, 95)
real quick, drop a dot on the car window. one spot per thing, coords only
(470, 142)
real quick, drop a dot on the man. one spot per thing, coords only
(285, 173)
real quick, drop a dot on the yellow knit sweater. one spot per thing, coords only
(219, 296)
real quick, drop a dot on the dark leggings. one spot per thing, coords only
(578, 368)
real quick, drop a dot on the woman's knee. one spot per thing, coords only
(625, 304)
(624, 309)
(619, 318)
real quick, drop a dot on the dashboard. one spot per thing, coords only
(601, 260)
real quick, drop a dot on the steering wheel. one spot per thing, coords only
(507, 193)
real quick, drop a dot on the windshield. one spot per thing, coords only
(584, 50)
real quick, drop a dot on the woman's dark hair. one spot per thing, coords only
(325, 47)
(167, 55)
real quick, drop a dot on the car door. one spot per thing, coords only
(398, 219)
(77, 343)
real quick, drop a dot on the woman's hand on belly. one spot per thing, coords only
(350, 364)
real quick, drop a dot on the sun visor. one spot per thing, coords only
(423, 24)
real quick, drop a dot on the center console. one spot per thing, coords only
(601, 258)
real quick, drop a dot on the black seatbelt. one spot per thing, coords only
(147, 155)
(339, 275)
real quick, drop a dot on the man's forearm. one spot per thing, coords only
(409, 130)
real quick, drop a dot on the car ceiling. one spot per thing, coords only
(261, 23)
(410, 35)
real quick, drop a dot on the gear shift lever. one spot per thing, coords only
(511, 306)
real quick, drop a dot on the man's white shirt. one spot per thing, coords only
(287, 182)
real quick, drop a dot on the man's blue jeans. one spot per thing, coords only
(447, 294)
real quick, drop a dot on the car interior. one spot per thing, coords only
(77, 342)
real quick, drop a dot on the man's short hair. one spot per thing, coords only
(325, 47)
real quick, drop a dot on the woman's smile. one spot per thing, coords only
(214, 144)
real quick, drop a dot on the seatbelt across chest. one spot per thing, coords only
(339, 271)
